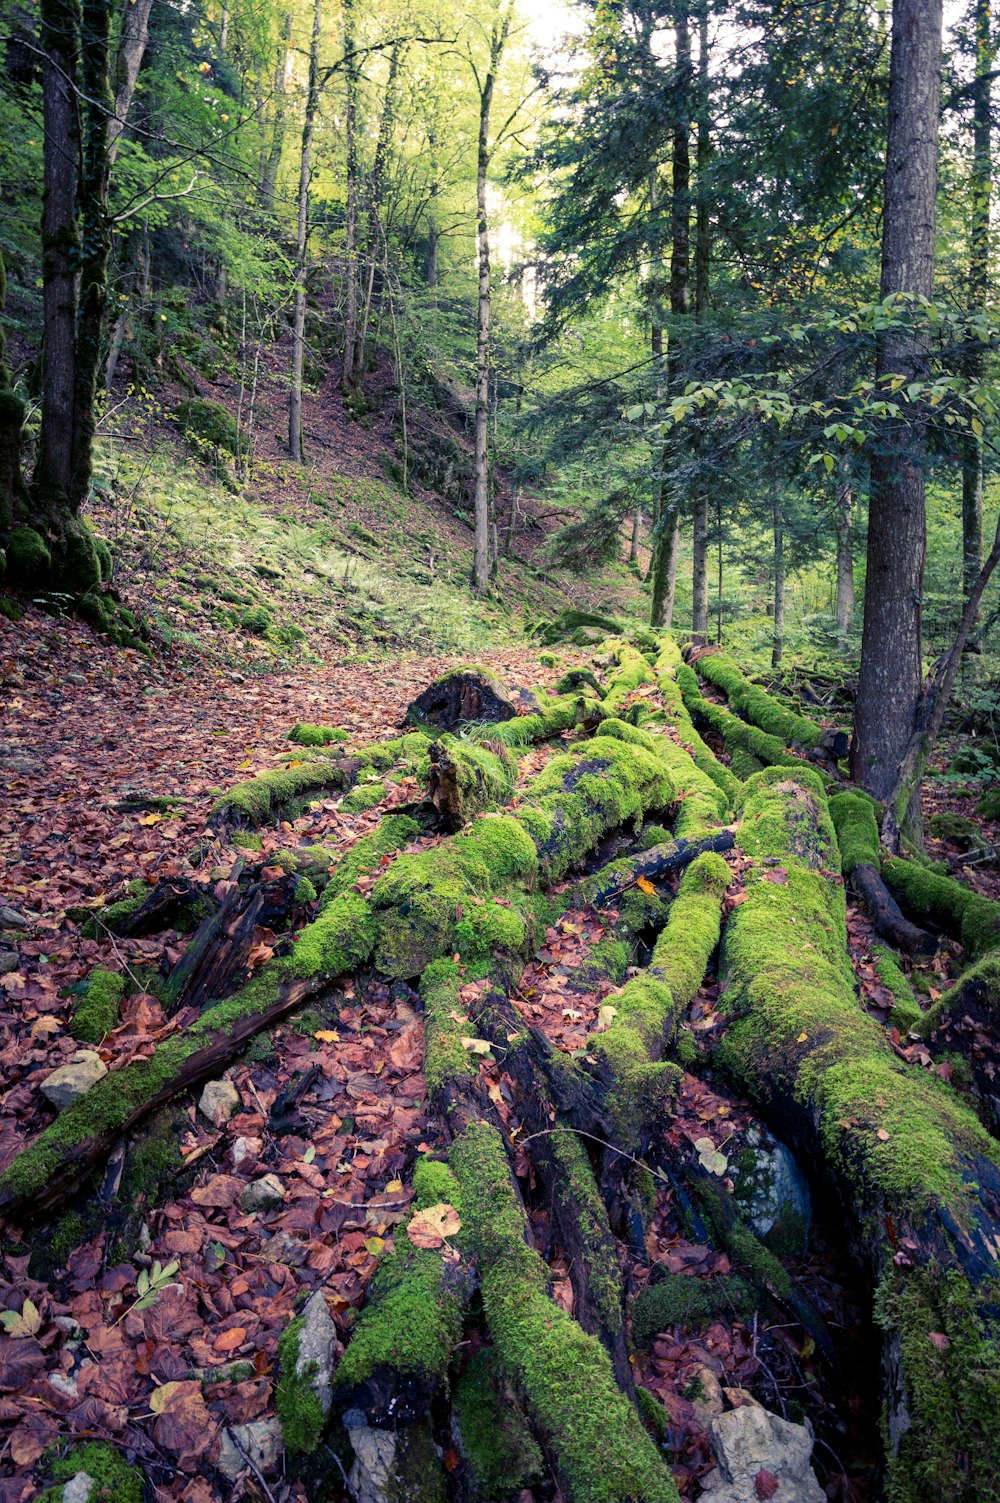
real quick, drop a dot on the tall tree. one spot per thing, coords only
(302, 242)
(485, 80)
(889, 685)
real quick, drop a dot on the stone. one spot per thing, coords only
(708, 1400)
(243, 1149)
(374, 1469)
(260, 1441)
(318, 1348)
(8, 962)
(219, 1100)
(771, 1192)
(263, 1194)
(65, 1384)
(74, 1080)
(78, 1489)
(749, 1440)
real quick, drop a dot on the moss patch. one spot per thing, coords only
(115, 1481)
(299, 1409)
(95, 1013)
(495, 1438)
(677, 1300)
(951, 905)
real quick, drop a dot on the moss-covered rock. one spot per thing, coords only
(114, 1480)
(680, 1300)
(988, 806)
(305, 734)
(208, 423)
(29, 559)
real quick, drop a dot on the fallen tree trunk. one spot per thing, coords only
(918, 1175)
(966, 1021)
(951, 905)
(853, 818)
(761, 709)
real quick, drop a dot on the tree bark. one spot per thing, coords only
(844, 521)
(302, 240)
(778, 635)
(980, 187)
(131, 49)
(890, 675)
(374, 211)
(481, 558)
(351, 220)
(272, 162)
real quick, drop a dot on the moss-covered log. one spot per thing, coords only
(955, 908)
(761, 709)
(918, 1174)
(466, 779)
(853, 816)
(605, 888)
(599, 1448)
(963, 1026)
(734, 733)
(669, 664)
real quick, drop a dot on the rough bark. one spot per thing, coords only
(131, 49)
(778, 632)
(463, 696)
(351, 78)
(844, 521)
(890, 675)
(271, 163)
(301, 243)
(980, 188)
(964, 1021)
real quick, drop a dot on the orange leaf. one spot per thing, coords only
(645, 885)
(229, 1340)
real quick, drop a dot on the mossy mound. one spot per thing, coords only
(95, 1012)
(28, 556)
(679, 1300)
(585, 628)
(988, 806)
(114, 1480)
(305, 734)
(208, 423)
(951, 905)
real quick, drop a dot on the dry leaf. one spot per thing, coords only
(430, 1228)
(476, 1046)
(645, 885)
(229, 1340)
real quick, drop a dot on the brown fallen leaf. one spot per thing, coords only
(429, 1229)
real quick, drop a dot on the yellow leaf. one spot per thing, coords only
(394, 1187)
(606, 1015)
(151, 819)
(160, 1397)
(476, 1046)
(374, 1245)
(645, 885)
(802, 1038)
(327, 1036)
(429, 1229)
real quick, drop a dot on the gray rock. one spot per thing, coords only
(260, 1441)
(749, 1439)
(78, 1489)
(64, 1384)
(243, 1149)
(374, 1469)
(74, 1080)
(392, 1465)
(219, 1100)
(318, 1349)
(12, 918)
(264, 1194)
(8, 962)
(771, 1191)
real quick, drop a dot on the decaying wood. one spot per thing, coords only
(885, 913)
(459, 698)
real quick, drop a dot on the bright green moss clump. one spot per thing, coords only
(446, 1060)
(95, 1013)
(113, 918)
(278, 789)
(494, 1435)
(299, 1409)
(679, 1300)
(363, 796)
(951, 1370)
(28, 556)
(595, 1438)
(304, 734)
(413, 1317)
(432, 903)
(114, 1480)
(905, 1013)
(756, 705)
(853, 818)
(669, 666)
(554, 715)
(467, 779)
(949, 904)
(365, 855)
(340, 939)
(797, 1034)
(735, 733)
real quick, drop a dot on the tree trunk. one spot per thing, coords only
(890, 677)
(60, 249)
(980, 187)
(633, 552)
(481, 558)
(699, 570)
(778, 634)
(374, 209)
(844, 521)
(351, 219)
(272, 162)
(131, 49)
(302, 240)
(665, 543)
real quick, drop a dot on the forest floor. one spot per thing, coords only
(84, 724)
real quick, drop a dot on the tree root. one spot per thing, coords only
(853, 816)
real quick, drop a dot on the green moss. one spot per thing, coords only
(950, 1363)
(988, 806)
(756, 705)
(208, 423)
(95, 1013)
(363, 796)
(951, 905)
(564, 1377)
(680, 1300)
(900, 1138)
(575, 679)
(305, 892)
(257, 621)
(446, 1061)
(494, 1435)
(572, 620)
(115, 917)
(304, 734)
(279, 789)
(905, 1013)
(579, 1202)
(467, 779)
(857, 832)
(743, 763)
(390, 835)
(299, 1409)
(434, 1183)
(654, 1416)
(653, 835)
(340, 939)
(28, 556)
(115, 1481)
(554, 716)
(248, 840)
